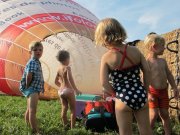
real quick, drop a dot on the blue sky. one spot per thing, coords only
(139, 17)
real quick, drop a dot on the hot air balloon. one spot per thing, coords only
(58, 24)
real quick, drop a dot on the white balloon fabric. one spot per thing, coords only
(58, 24)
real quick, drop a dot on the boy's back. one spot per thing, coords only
(65, 81)
(63, 75)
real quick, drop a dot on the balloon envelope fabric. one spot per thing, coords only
(58, 25)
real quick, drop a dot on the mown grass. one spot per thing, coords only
(12, 119)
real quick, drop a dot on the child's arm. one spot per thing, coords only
(171, 80)
(29, 77)
(104, 79)
(57, 80)
(146, 72)
(71, 80)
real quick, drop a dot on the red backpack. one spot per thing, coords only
(100, 115)
(99, 105)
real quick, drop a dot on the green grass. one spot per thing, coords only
(12, 119)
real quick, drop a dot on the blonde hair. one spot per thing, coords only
(34, 44)
(152, 39)
(109, 31)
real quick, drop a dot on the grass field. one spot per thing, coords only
(12, 119)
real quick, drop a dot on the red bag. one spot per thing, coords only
(100, 115)
(107, 105)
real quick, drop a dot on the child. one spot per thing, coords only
(119, 76)
(32, 84)
(64, 80)
(160, 74)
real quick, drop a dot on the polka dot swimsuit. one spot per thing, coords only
(127, 84)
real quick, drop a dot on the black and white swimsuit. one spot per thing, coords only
(127, 85)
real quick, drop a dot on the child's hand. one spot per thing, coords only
(78, 92)
(150, 97)
(176, 94)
